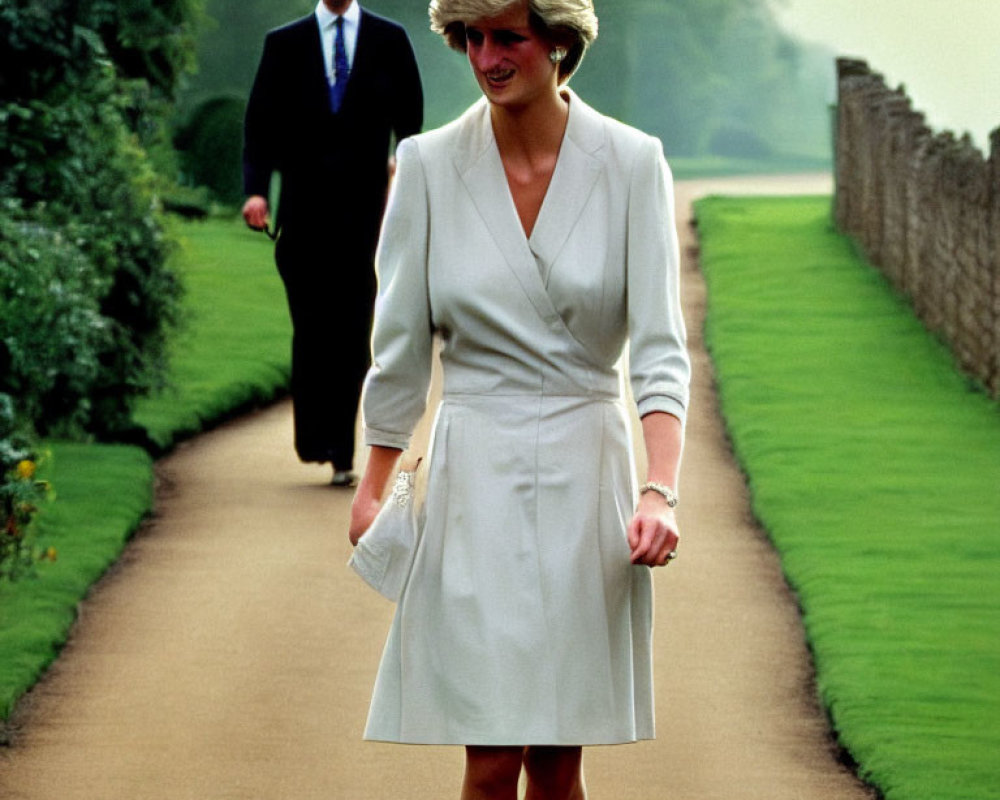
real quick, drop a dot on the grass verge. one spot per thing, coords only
(232, 352)
(102, 494)
(874, 466)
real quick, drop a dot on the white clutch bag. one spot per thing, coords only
(384, 553)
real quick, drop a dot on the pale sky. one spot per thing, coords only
(946, 52)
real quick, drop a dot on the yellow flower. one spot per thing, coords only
(51, 554)
(26, 469)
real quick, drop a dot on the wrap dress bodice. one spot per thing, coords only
(523, 620)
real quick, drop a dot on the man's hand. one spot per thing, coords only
(255, 212)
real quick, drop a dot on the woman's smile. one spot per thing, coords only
(509, 58)
(499, 76)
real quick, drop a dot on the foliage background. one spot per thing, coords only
(87, 299)
(711, 78)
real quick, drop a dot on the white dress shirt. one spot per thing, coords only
(328, 30)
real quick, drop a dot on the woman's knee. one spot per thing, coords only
(554, 772)
(491, 772)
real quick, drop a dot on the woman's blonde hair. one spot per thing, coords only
(571, 24)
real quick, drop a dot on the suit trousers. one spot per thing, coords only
(330, 285)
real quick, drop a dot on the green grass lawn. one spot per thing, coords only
(873, 464)
(685, 167)
(875, 467)
(102, 494)
(233, 351)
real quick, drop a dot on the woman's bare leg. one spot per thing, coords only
(491, 773)
(554, 773)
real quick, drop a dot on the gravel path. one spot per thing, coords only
(231, 653)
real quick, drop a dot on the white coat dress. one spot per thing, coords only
(523, 620)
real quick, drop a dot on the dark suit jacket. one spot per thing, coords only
(333, 166)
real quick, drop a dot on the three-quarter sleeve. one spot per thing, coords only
(395, 393)
(659, 366)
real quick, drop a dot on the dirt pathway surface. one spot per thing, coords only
(231, 653)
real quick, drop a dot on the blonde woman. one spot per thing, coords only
(534, 237)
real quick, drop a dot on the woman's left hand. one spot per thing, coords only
(653, 534)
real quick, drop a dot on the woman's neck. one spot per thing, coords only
(533, 129)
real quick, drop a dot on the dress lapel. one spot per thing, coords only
(572, 182)
(484, 179)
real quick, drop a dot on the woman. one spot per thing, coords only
(533, 237)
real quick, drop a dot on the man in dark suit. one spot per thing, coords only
(331, 91)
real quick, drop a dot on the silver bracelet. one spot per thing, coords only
(662, 489)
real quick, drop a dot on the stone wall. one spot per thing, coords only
(925, 208)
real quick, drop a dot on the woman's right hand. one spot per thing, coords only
(364, 509)
(368, 497)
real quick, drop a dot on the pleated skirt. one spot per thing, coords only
(523, 621)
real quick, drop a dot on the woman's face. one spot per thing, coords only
(509, 59)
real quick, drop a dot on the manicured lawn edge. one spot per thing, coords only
(875, 467)
(104, 492)
(232, 353)
(233, 349)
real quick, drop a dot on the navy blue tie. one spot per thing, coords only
(340, 67)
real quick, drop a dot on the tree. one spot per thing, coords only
(706, 76)
(698, 72)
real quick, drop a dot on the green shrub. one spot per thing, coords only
(74, 177)
(52, 332)
(190, 202)
(210, 145)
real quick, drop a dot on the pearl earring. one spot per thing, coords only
(557, 55)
